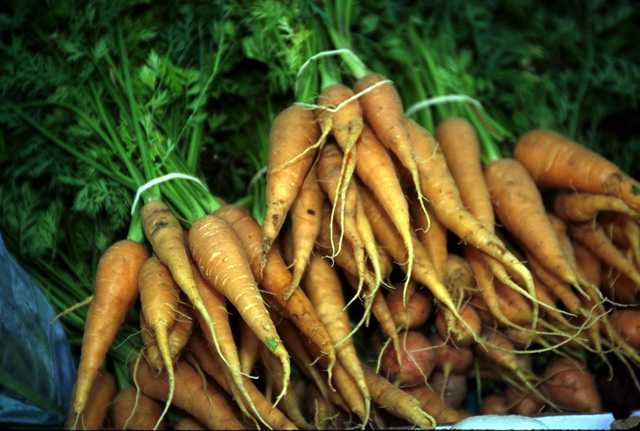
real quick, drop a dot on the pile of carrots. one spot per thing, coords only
(464, 267)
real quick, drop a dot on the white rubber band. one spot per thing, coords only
(354, 97)
(159, 180)
(442, 99)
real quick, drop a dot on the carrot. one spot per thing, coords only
(376, 170)
(432, 404)
(414, 313)
(222, 261)
(453, 388)
(523, 402)
(159, 296)
(275, 278)
(222, 341)
(248, 350)
(560, 162)
(432, 234)
(494, 404)
(203, 400)
(572, 206)
(571, 386)
(305, 225)
(135, 410)
(619, 287)
(396, 401)
(624, 232)
(594, 238)
(116, 290)
(627, 323)
(189, 423)
(293, 134)
(418, 360)
(323, 286)
(167, 237)
(518, 204)
(384, 112)
(463, 330)
(96, 410)
(212, 365)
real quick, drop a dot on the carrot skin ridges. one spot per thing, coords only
(557, 161)
(293, 134)
(95, 415)
(116, 290)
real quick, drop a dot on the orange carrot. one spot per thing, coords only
(134, 410)
(440, 188)
(433, 236)
(248, 349)
(412, 314)
(291, 151)
(323, 286)
(212, 365)
(222, 261)
(624, 232)
(189, 423)
(432, 404)
(560, 162)
(203, 400)
(571, 386)
(627, 323)
(384, 112)
(418, 360)
(518, 204)
(572, 206)
(159, 296)
(463, 330)
(397, 401)
(116, 290)
(275, 278)
(305, 225)
(96, 410)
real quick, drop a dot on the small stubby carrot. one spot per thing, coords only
(397, 401)
(627, 323)
(115, 292)
(440, 188)
(305, 225)
(463, 329)
(222, 260)
(202, 399)
(134, 410)
(557, 161)
(384, 112)
(293, 135)
(518, 204)
(577, 207)
(275, 278)
(96, 411)
(412, 313)
(571, 385)
(159, 297)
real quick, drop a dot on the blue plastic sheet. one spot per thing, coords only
(37, 369)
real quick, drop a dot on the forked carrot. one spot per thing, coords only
(292, 137)
(159, 296)
(557, 161)
(116, 290)
(222, 260)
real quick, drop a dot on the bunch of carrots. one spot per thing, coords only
(464, 267)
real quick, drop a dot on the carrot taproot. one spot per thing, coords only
(627, 323)
(574, 206)
(624, 231)
(222, 260)
(96, 411)
(189, 423)
(440, 188)
(618, 287)
(134, 410)
(376, 170)
(463, 329)
(159, 296)
(431, 403)
(204, 400)
(557, 161)
(213, 366)
(413, 313)
(305, 225)
(494, 404)
(292, 137)
(323, 286)
(384, 112)
(571, 386)
(397, 401)
(115, 292)
(432, 234)
(275, 278)
(418, 360)
(523, 402)
(453, 388)
(248, 348)
(518, 204)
